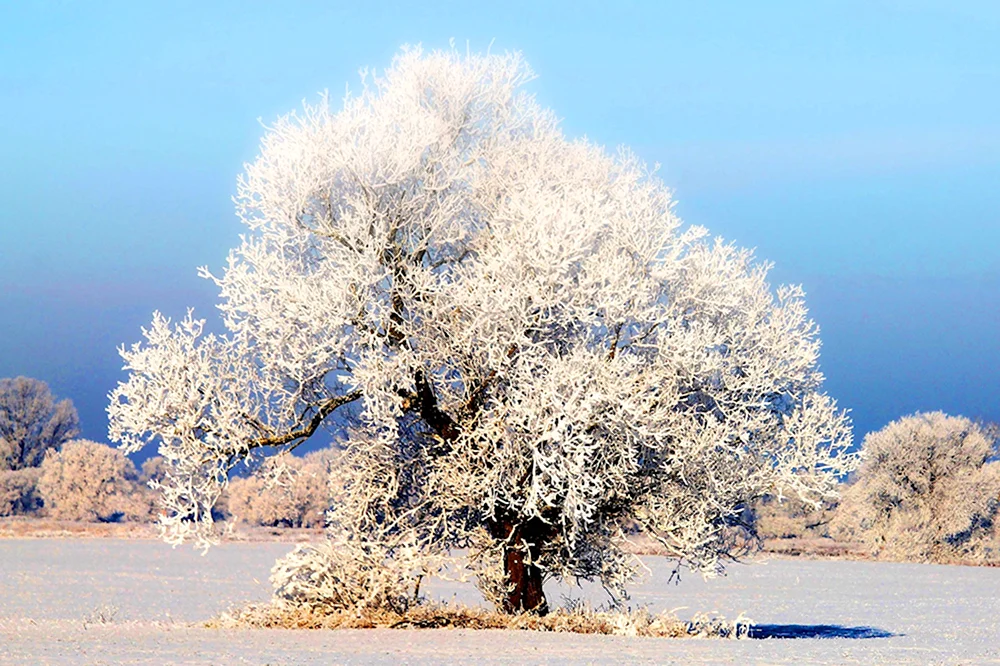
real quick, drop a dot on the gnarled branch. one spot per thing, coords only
(306, 431)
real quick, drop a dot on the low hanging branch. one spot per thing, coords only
(305, 432)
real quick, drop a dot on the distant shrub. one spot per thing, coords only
(32, 422)
(92, 482)
(287, 491)
(19, 491)
(928, 490)
(790, 518)
(154, 469)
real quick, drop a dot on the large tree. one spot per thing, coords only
(528, 354)
(32, 422)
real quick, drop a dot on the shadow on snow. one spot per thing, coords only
(815, 631)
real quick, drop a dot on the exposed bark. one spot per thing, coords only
(433, 415)
(522, 540)
(306, 430)
(522, 548)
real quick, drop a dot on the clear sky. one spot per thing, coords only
(855, 144)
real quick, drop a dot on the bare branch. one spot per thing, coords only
(304, 432)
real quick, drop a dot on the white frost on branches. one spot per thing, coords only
(512, 327)
(928, 490)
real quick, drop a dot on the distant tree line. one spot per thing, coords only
(928, 488)
(46, 471)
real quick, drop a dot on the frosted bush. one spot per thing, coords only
(18, 491)
(288, 492)
(790, 517)
(92, 482)
(928, 490)
(350, 574)
(154, 470)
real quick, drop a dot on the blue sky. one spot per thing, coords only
(855, 144)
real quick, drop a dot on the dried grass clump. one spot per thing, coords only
(578, 620)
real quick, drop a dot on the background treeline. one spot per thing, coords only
(46, 471)
(928, 489)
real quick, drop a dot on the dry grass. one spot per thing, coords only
(829, 549)
(25, 527)
(30, 527)
(450, 616)
(815, 548)
(812, 548)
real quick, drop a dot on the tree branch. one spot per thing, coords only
(306, 431)
(437, 419)
(614, 343)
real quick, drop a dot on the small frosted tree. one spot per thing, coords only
(289, 491)
(93, 482)
(32, 422)
(526, 351)
(18, 491)
(792, 518)
(928, 490)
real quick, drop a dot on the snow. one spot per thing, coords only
(53, 593)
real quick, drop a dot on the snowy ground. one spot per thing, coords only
(109, 601)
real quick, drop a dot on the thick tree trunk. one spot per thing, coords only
(522, 549)
(522, 540)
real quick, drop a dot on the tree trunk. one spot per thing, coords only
(523, 547)
(522, 539)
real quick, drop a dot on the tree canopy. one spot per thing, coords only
(524, 349)
(32, 422)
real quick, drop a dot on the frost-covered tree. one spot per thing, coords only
(289, 491)
(91, 481)
(32, 422)
(928, 490)
(154, 470)
(18, 491)
(792, 518)
(526, 351)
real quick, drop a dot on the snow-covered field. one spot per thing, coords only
(109, 601)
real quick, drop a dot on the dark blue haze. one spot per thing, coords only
(854, 144)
